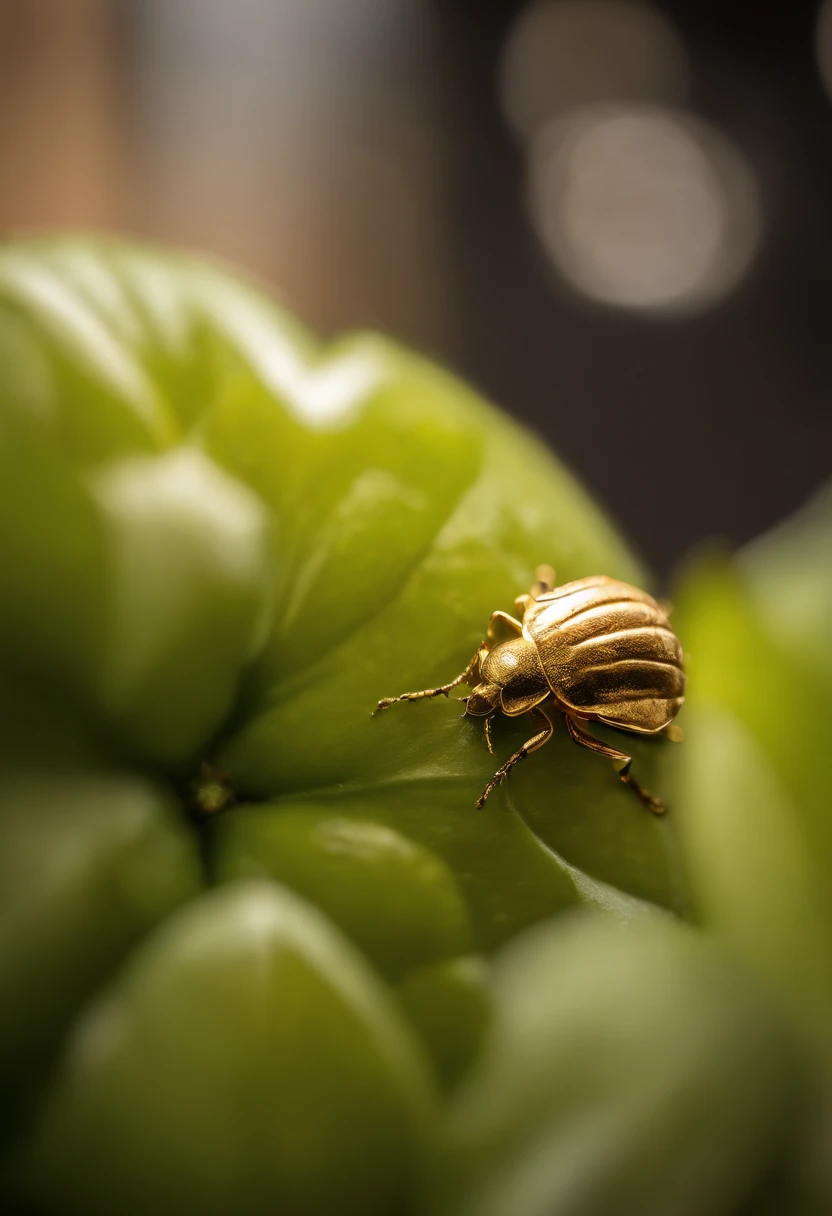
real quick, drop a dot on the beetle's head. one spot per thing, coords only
(513, 679)
(483, 700)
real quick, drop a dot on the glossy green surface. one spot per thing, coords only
(753, 778)
(222, 542)
(88, 866)
(626, 1070)
(752, 788)
(397, 900)
(449, 1004)
(223, 1070)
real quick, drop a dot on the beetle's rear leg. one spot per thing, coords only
(544, 582)
(584, 739)
(531, 746)
(652, 804)
(468, 676)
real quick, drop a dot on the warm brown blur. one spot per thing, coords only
(269, 135)
(611, 216)
(64, 116)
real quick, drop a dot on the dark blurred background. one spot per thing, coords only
(612, 215)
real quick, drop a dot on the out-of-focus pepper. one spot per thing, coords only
(245, 929)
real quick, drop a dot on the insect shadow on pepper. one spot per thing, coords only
(594, 650)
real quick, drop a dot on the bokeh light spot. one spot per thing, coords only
(563, 53)
(644, 207)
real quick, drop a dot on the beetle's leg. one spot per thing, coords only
(544, 581)
(531, 746)
(652, 804)
(487, 725)
(470, 674)
(502, 627)
(584, 739)
(673, 733)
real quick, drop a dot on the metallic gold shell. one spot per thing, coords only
(609, 653)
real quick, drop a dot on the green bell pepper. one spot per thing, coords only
(246, 929)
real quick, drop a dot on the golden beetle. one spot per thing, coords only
(595, 650)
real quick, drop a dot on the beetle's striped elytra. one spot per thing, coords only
(608, 653)
(594, 650)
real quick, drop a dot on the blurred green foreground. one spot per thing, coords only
(258, 951)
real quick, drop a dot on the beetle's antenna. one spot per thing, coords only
(444, 690)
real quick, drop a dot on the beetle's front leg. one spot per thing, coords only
(469, 676)
(530, 746)
(502, 628)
